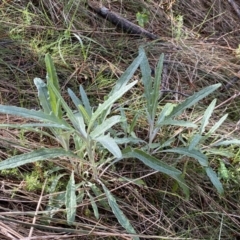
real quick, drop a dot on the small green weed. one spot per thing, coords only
(142, 18)
(178, 32)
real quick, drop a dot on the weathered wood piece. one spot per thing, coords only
(121, 22)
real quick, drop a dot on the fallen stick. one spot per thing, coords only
(235, 7)
(121, 22)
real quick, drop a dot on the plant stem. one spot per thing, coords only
(91, 156)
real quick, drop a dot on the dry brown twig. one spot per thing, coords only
(35, 217)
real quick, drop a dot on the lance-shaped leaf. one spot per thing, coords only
(156, 89)
(104, 126)
(52, 78)
(110, 144)
(127, 75)
(157, 165)
(38, 155)
(85, 101)
(71, 199)
(190, 101)
(207, 115)
(214, 179)
(38, 115)
(43, 95)
(202, 159)
(108, 103)
(122, 219)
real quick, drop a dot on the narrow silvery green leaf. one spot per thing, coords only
(103, 116)
(36, 125)
(43, 95)
(71, 200)
(94, 206)
(59, 109)
(85, 101)
(66, 107)
(156, 88)
(202, 159)
(151, 86)
(110, 144)
(55, 203)
(217, 125)
(167, 109)
(123, 124)
(80, 145)
(84, 113)
(106, 125)
(38, 155)
(64, 138)
(74, 98)
(100, 196)
(228, 142)
(122, 219)
(37, 130)
(23, 112)
(158, 145)
(52, 77)
(214, 179)
(150, 161)
(190, 101)
(158, 165)
(126, 140)
(45, 100)
(108, 103)
(207, 115)
(179, 123)
(146, 75)
(181, 182)
(54, 182)
(138, 182)
(133, 123)
(127, 75)
(220, 152)
(195, 141)
(51, 70)
(81, 124)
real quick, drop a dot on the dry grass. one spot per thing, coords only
(204, 54)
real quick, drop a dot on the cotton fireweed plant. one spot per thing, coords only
(89, 129)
